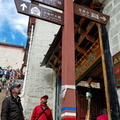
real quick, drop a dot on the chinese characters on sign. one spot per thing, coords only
(90, 14)
(39, 12)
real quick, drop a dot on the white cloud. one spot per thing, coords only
(13, 36)
(9, 15)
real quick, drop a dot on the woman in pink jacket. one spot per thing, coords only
(103, 115)
(42, 111)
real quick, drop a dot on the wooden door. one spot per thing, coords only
(97, 102)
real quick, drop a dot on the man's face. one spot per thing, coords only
(16, 90)
(44, 100)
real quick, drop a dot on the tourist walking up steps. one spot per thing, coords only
(11, 106)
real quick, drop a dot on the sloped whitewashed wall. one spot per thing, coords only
(39, 81)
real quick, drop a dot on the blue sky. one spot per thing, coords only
(13, 25)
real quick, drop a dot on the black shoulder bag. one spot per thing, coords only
(42, 113)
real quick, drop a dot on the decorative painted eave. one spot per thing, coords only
(53, 48)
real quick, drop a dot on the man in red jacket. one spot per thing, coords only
(42, 111)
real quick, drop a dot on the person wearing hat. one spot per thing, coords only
(42, 111)
(11, 105)
(103, 115)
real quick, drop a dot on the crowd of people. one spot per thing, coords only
(7, 74)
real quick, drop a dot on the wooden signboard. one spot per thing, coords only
(59, 4)
(39, 12)
(116, 62)
(90, 14)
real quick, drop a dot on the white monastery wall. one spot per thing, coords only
(11, 56)
(39, 81)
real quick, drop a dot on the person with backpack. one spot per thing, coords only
(3, 80)
(42, 111)
(1, 72)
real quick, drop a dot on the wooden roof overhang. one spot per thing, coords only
(86, 42)
(52, 58)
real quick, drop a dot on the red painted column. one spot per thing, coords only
(68, 110)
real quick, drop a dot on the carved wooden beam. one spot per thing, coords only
(81, 50)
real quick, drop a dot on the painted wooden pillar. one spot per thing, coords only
(68, 107)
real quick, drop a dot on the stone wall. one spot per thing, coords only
(39, 81)
(112, 8)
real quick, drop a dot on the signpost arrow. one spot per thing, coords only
(103, 18)
(90, 14)
(39, 12)
(59, 4)
(23, 6)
